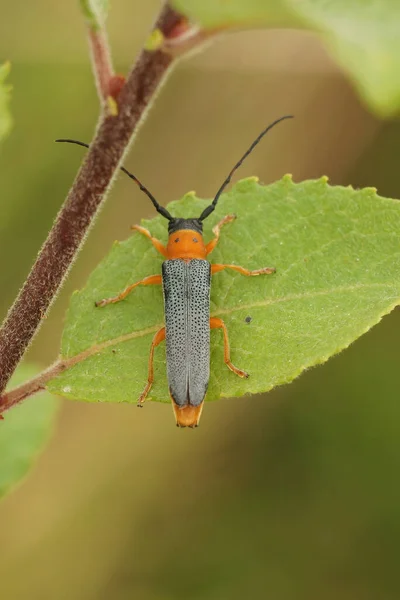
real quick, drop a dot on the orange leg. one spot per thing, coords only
(157, 339)
(242, 270)
(217, 230)
(156, 243)
(151, 280)
(216, 323)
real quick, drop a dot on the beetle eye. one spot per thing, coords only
(177, 240)
(195, 240)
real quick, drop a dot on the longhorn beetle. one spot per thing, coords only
(186, 280)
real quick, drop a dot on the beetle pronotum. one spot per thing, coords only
(186, 280)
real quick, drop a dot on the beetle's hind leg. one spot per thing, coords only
(157, 339)
(216, 323)
(151, 280)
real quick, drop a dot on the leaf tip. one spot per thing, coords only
(252, 178)
(288, 178)
(95, 13)
(243, 185)
(189, 195)
(5, 69)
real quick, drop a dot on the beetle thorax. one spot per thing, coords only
(186, 244)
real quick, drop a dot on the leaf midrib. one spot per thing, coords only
(96, 348)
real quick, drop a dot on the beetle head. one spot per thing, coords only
(179, 224)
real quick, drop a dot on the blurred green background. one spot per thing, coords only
(291, 495)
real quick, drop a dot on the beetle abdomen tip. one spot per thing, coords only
(187, 416)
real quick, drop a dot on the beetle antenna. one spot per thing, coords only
(207, 211)
(163, 211)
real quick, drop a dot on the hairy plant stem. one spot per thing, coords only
(101, 61)
(72, 224)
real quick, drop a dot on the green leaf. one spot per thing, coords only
(362, 36)
(337, 255)
(24, 432)
(5, 89)
(95, 12)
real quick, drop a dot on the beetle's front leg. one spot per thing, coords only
(156, 243)
(151, 280)
(217, 230)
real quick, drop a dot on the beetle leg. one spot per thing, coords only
(216, 323)
(156, 243)
(157, 339)
(242, 270)
(151, 280)
(217, 230)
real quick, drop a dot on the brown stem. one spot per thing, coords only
(82, 204)
(101, 61)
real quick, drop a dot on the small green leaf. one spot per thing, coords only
(24, 432)
(5, 89)
(337, 255)
(95, 12)
(362, 36)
